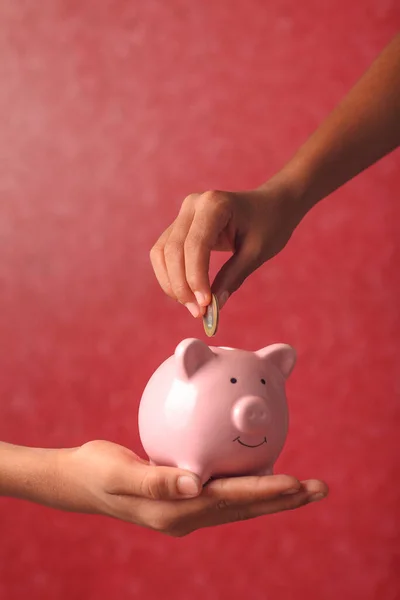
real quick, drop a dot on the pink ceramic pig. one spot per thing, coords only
(217, 411)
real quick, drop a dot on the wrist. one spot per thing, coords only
(305, 172)
(291, 190)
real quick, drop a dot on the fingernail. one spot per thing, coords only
(291, 491)
(193, 309)
(222, 299)
(316, 497)
(200, 297)
(187, 486)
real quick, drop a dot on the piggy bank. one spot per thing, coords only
(217, 412)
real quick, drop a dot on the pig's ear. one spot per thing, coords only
(282, 356)
(190, 356)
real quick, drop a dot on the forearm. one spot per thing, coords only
(360, 131)
(33, 474)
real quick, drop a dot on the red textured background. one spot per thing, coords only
(110, 113)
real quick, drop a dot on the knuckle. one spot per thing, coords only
(145, 487)
(152, 487)
(213, 197)
(194, 241)
(222, 504)
(215, 201)
(172, 247)
(176, 532)
(155, 252)
(190, 200)
(165, 523)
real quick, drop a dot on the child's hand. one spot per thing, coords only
(254, 226)
(108, 479)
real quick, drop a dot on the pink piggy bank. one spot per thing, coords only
(217, 412)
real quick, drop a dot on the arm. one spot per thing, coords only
(256, 225)
(33, 474)
(361, 130)
(58, 477)
(104, 478)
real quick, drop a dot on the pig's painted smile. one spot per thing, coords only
(248, 445)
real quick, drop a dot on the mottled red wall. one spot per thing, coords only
(110, 113)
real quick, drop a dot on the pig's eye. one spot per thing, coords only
(263, 381)
(233, 380)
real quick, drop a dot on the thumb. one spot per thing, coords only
(233, 273)
(161, 483)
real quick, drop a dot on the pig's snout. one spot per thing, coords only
(251, 415)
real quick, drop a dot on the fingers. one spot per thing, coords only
(157, 483)
(221, 502)
(212, 509)
(237, 490)
(227, 510)
(174, 256)
(211, 217)
(315, 489)
(234, 272)
(181, 256)
(232, 514)
(158, 263)
(168, 258)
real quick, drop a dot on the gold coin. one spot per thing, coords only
(211, 317)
